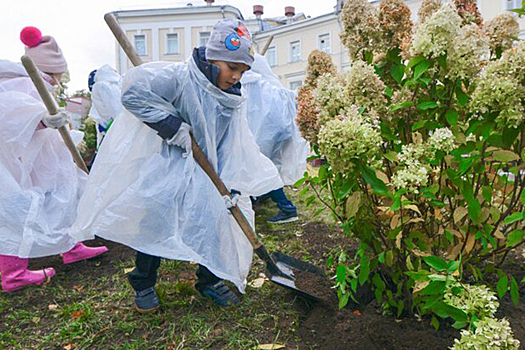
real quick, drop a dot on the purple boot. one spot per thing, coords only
(15, 274)
(81, 252)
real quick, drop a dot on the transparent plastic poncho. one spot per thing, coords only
(105, 98)
(271, 111)
(144, 194)
(40, 184)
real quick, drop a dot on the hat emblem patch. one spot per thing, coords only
(233, 42)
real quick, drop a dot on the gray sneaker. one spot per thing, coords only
(146, 301)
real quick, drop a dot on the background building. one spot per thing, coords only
(170, 34)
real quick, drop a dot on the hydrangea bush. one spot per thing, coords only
(424, 141)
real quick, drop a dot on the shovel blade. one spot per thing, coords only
(289, 267)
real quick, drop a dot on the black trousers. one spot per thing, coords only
(145, 273)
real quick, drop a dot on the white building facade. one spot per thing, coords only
(171, 34)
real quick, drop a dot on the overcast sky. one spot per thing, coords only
(80, 30)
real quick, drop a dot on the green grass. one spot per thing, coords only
(86, 310)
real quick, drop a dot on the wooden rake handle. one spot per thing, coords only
(266, 46)
(198, 154)
(52, 108)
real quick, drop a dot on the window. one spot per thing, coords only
(324, 43)
(514, 4)
(172, 44)
(203, 38)
(271, 56)
(140, 44)
(295, 51)
(294, 85)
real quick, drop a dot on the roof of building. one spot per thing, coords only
(178, 10)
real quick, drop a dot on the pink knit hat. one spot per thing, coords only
(44, 51)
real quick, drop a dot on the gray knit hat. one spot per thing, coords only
(230, 41)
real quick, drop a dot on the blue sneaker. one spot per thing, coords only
(283, 217)
(220, 294)
(146, 301)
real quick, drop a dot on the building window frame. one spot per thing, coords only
(512, 4)
(291, 57)
(329, 36)
(145, 43)
(201, 37)
(167, 40)
(294, 85)
(271, 50)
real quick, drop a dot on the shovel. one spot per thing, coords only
(280, 268)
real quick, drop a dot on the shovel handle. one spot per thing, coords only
(205, 164)
(52, 108)
(122, 39)
(267, 45)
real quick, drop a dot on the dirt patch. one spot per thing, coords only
(317, 286)
(326, 328)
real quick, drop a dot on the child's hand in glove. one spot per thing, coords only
(182, 139)
(57, 120)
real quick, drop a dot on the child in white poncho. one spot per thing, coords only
(40, 183)
(146, 190)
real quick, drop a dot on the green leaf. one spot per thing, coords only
(444, 310)
(427, 105)
(460, 324)
(420, 276)
(487, 193)
(435, 323)
(341, 274)
(344, 300)
(434, 287)
(400, 307)
(402, 105)
(299, 182)
(502, 286)
(419, 125)
(474, 211)
(364, 273)
(513, 218)
(415, 61)
(461, 96)
(436, 263)
(421, 68)
(392, 156)
(505, 156)
(514, 291)
(397, 73)
(452, 117)
(452, 267)
(370, 178)
(353, 203)
(515, 237)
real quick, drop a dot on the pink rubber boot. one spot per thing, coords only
(15, 274)
(81, 252)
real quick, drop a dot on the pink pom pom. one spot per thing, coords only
(31, 36)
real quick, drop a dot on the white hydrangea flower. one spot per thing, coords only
(469, 53)
(474, 300)
(442, 140)
(436, 35)
(490, 334)
(349, 138)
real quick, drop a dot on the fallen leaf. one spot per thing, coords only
(270, 346)
(257, 283)
(413, 208)
(52, 307)
(36, 319)
(357, 312)
(69, 347)
(78, 314)
(78, 288)
(420, 285)
(128, 270)
(459, 214)
(394, 222)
